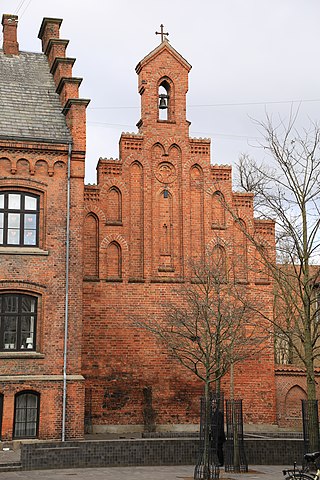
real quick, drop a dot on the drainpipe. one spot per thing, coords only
(66, 314)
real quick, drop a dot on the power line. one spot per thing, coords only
(239, 104)
(24, 11)
(231, 136)
(20, 5)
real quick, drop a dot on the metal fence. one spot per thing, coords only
(310, 420)
(211, 427)
(236, 460)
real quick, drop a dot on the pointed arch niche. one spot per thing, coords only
(241, 252)
(219, 258)
(114, 261)
(218, 212)
(261, 273)
(165, 229)
(114, 206)
(91, 255)
(136, 220)
(196, 212)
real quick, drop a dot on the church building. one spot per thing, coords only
(79, 262)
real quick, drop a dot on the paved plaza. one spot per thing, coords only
(264, 472)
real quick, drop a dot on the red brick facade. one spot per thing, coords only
(109, 251)
(40, 168)
(152, 211)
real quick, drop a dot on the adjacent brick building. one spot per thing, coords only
(41, 210)
(78, 263)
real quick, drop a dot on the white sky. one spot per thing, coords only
(242, 52)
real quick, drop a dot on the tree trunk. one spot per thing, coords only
(206, 433)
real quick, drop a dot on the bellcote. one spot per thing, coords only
(163, 85)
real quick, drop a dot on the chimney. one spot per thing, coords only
(10, 43)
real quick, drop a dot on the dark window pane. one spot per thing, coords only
(18, 322)
(20, 413)
(26, 415)
(31, 415)
(10, 304)
(10, 332)
(26, 303)
(32, 400)
(22, 401)
(31, 430)
(19, 430)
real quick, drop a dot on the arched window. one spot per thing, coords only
(18, 321)
(19, 219)
(164, 100)
(26, 415)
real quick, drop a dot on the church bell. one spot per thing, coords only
(163, 104)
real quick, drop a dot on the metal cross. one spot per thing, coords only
(162, 33)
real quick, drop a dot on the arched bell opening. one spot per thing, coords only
(164, 100)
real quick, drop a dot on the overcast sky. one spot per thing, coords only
(247, 57)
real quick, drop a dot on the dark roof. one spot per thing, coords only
(30, 108)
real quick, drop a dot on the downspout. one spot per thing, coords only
(66, 314)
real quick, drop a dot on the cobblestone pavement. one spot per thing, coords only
(265, 472)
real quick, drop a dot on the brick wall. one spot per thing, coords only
(151, 213)
(41, 168)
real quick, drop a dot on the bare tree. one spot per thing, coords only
(208, 329)
(287, 190)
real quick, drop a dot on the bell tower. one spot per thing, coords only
(163, 85)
